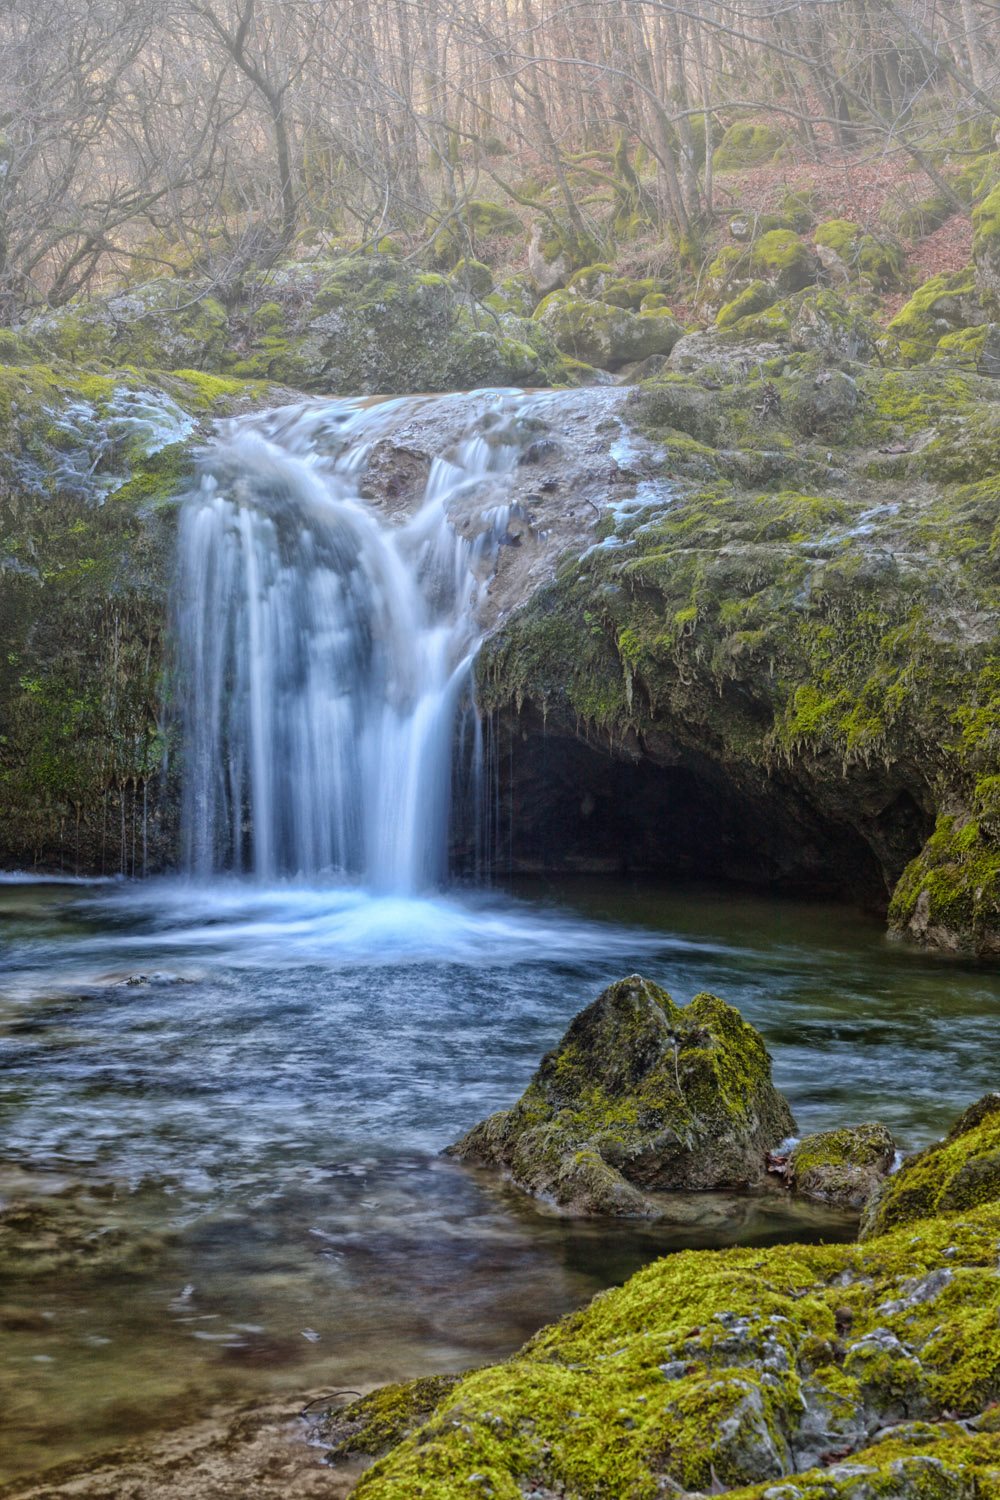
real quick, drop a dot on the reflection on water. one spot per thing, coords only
(222, 1108)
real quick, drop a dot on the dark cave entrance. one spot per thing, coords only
(568, 806)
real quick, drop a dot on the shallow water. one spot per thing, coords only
(232, 1101)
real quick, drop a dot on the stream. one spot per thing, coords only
(223, 1106)
(224, 1095)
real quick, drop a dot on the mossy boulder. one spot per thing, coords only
(353, 325)
(949, 896)
(959, 1174)
(604, 335)
(986, 247)
(842, 1166)
(754, 298)
(640, 1096)
(472, 277)
(915, 220)
(747, 227)
(879, 258)
(824, 1372)
(455, 231)
(784, 260)
(165, 324)
(824, 404)
(746, 144)
(942, 305)
(514, 294)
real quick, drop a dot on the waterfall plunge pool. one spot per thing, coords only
(223, 1107)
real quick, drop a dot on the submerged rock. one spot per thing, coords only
(640, 1096)
(842, 1166)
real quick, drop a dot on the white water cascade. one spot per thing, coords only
(324, 651)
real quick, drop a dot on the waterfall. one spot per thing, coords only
(324, 651)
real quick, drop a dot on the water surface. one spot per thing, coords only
(223, 1106)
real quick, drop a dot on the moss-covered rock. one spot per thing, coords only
(793, 1373)
(602, 334)
(374, 1423)
(89, 468)
(472, 277)
(639, 1096)
(754, 298)
(824, 404)
(949, 896)
(746, 144)
(784, 260)
(456, 231)
(842, 1166)
(349, 326)
(941, 306)
(878, 258)
(165, 324)
(747, 227)
(960, 1173)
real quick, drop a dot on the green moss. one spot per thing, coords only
(746, 144)
(878, 257)
(939, 307)
(949, 896)
(704, 1369)
(784, 259)
(753, 299)
(964, 347)
(960, 1173)
(383, 1418)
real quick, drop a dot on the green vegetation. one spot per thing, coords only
(746, 144)
(640, 1095)
(766, 1372)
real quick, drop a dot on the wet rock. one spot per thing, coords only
(795, 1372)
(640, 1096)
(960, 1172)
(842, 1166)
(374, 1423)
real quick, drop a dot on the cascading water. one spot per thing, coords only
(323, 652)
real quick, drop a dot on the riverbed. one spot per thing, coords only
(223, 1107)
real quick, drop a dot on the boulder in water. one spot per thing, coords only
(959, 1174)
(843, 1167)
(641, 1095)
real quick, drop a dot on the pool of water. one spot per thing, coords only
(222, 1110)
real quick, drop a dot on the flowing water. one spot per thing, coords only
(224, 1095)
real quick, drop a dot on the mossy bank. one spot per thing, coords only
(784, 647)
(844, 1372)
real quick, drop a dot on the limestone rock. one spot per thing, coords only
(548, 264)
(842, 1166)
(640, 1096)
(605, 335)
(962, 1172)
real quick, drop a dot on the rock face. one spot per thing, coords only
(799, 1372)
(962, 1172)
(352, 325)
(844, 1167)
(640, 1096)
